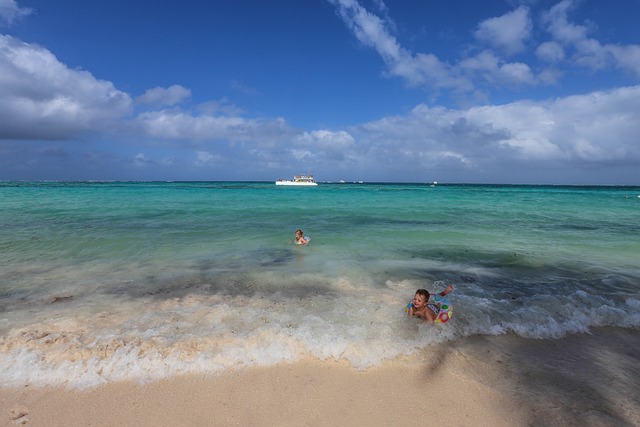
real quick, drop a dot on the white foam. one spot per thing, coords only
(145, 340)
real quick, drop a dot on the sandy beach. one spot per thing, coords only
(585, 379)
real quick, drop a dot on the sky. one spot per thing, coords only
(457, 91)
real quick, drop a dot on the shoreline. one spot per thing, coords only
(581, 379)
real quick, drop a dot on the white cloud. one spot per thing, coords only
(326, 139)
(182, 125)
(11, 12)
(425, 69)
(605, 122)
(302, 155)
(507, 32)
(550, 52)
(486, 69)
(41, 98)
(421, 69)
(371, 31)
(497, 72)
(559, 26)
(141, 160)
(550, 76)
(164, 97)
(627, 57)
(578, 134)
(588, 52)
(324, 143)
(598, 128)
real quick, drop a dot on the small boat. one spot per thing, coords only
(298, 180)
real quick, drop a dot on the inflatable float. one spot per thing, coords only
(444, 308)
(303, 241)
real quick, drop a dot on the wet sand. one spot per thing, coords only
(585, 379)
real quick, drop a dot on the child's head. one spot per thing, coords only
(420, 298)
(299, 233)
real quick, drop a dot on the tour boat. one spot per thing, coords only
(299, 180)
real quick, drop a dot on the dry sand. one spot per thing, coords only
(587, 379)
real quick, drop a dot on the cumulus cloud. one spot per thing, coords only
(521, 135)
(557, 22)
(585, 51)
(498, 72)
(581, 132)
(326, 139)
(327, 144)
(183, 125)
(627, 57)
(600, 126)
(507, 32)
(164, 97)
(10, 12)
(550, 52)
(41, 98)
(594, 129)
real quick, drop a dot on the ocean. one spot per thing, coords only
(108, 281)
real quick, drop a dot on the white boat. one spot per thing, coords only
(298, 180)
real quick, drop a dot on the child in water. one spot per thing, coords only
(301, 239)
(422, 307)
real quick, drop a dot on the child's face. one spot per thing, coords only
(298, 234)
(419, 301)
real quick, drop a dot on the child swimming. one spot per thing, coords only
(301, 239)
(424, 307)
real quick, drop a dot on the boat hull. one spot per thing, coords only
(297, 183)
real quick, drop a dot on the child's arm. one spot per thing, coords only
(446, 291)
(411, 310)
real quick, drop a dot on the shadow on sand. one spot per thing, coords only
(579, 380)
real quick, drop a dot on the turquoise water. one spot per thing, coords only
(107, 280)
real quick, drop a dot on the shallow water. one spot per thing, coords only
(106, 281)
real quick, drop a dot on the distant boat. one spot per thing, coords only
(298, 180)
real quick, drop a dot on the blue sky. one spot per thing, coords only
(499, 91)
